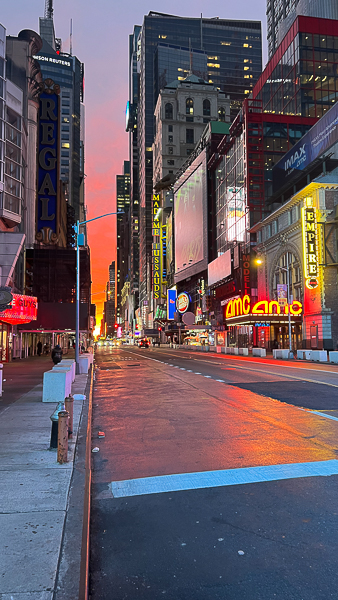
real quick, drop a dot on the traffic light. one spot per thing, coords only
(115, 325)
(159, 328)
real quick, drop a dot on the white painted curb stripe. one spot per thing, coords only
(210, 479)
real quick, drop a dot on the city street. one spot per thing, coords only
(216, 478)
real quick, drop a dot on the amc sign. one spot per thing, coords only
(242, 306)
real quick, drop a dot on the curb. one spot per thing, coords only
(84, 568)
(73, 569)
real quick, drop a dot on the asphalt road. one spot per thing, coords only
(216, 478)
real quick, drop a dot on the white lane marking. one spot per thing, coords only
(209, 479)
(198, 373)
(189, 370)
(320, 414)
(279, 374)
(264, 363)
(207, 376)
(220, 380)
(182, 369)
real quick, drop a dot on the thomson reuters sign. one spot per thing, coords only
(242, 306)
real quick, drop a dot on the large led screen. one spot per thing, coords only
(190, 208)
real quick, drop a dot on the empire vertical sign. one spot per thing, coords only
(156, 248)
(48, 163)
(310, 244)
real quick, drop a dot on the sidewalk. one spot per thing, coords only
(40, 546)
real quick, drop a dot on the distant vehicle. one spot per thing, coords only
(144, 344)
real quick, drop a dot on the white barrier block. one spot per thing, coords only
(280, 353)
(218, 349)
(333, 357)
(259, 352)
(68, 362)
(69, 376)
(54, 386)
(319, 355)
(83, 364)
(243, 351)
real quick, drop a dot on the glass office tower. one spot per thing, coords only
(227, 52)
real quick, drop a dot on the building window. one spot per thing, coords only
(206, 108)
(189, 136)
(168, 111)
(170, 128)
(170, 150)
(65, 145)
(170, 139)
(189, 151)
(221, 114)
(189, 109)
(171, 162)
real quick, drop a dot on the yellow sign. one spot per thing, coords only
(310, 244)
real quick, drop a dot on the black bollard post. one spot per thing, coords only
(55, 425)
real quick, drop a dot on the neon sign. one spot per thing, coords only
(23, 309)
(156, 248)
(242, 306)
(310, 244)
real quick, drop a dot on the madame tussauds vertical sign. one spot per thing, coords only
(48, 163)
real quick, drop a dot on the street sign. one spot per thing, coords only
(282, 294)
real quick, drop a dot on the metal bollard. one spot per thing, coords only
(69, 405)
(63, 437)
(55, 422)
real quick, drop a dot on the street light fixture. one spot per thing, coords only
(80, 242)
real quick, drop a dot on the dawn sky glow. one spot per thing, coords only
(100, 40)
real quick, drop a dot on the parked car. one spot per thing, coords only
(144, 344)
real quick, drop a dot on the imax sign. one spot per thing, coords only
(296, 160)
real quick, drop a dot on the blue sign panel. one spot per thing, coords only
(314, 143)
(48, 166)
(171, 304)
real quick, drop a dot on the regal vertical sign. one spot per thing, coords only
(48, 163)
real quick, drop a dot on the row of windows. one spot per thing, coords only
(189, 110)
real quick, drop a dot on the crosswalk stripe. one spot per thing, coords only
(210, 479)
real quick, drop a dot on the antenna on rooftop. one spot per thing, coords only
(49, 9)
(71, 38)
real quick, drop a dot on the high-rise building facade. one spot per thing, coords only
(226, 53)
(123, 233)
(282, 13)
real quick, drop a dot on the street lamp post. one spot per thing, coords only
(77, 318)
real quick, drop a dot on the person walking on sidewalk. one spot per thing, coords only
(57, 354)
(39, 348)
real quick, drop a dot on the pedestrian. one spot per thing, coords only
(274, 344)
(46, 349)
(39, 348)
(83, 349)
(57, 354)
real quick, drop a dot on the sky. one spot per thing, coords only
(100, 40)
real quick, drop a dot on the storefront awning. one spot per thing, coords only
(10, 248)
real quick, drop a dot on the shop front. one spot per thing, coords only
(23, 309)
(263, 324)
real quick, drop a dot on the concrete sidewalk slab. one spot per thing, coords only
(34, 496)
(28, 550)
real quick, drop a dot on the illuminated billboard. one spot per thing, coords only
(220, 268)
(190, 206)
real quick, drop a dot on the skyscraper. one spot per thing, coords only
(226, 53)
(122, 222)
(282, 13)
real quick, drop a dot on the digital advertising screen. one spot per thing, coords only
(190, 205)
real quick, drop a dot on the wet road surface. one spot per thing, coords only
(257, 518)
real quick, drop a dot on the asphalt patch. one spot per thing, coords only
(298, 393)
